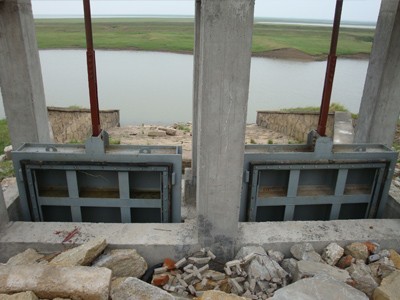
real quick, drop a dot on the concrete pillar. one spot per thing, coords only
(20, 74)
(380, 104)
(190, 174)
(224, 72)
(3, 209)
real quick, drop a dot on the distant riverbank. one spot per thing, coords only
(283, 41)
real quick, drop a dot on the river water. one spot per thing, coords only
(153, 87)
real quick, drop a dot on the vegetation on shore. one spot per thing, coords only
(6, 167)
(176, 35)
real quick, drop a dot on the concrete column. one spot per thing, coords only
(380, 104)
(20, 74)
(3, 210)
(224, 72)
(190, 174)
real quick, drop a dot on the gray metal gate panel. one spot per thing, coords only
(32, 161)
(334, 161)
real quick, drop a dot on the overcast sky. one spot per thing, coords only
(353, 10)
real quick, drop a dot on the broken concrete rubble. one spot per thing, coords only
(363, 280)
(305, 251)
(29, 256)
(80, 256)
(332, 253)
(357, 250)
(135, 289)
(123, 263)
(307, 269)
(253, 274)
(318, 288)
(19, 296)
(49, 282)
(389, 288)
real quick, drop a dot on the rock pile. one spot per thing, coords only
(358, 271)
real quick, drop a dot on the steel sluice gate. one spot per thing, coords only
(98, 183)
(317, 181)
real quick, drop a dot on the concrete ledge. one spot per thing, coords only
(157, 241)
(392, 208)
(153, 241)
(282, 235)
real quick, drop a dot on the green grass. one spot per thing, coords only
(4, 136)
(176, 35)
(332, 108)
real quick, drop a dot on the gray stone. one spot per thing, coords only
(363, 280)
(123, 263)
(49, 282)
(82, 255)
(305, 251)
(219, 295)
(3, 157)
(332, 253)
(289, 265)
(262, 267)
(318, 288)
(276, 255)
(29, 256)
(7, 152)
(307, 268)
(382, 268)
(135, 289)
(155, 133)
(19, 296)
(389, 288)
(357, 250)
(168, 131)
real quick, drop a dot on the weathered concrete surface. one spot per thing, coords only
(305, 269)
(11, 196)
(389, 288)
(3, 210)
(28, 257)
(392, 208)
(318, 288)
(19, 296)
(224, 73)
(82, 255)
(20, 75)
(379, 109)
(343, 132)
(153, 241)
(123, 263)
(282, 235)
(296, 125)
(219, 295)
(49, 282)
(135, 289)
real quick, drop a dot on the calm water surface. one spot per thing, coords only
(152, 87)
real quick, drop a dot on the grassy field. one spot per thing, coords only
(176, 35)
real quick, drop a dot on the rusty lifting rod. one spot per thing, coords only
(91, 67)
(330, 71)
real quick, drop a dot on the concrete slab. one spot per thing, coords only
(153, 241)
(282, 235)
(343, 131)
(158, 241)
(392, 209)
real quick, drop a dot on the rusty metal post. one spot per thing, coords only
(330, 71)
(91, 67)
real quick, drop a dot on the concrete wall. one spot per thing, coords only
(296, 125)
(74, 124)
